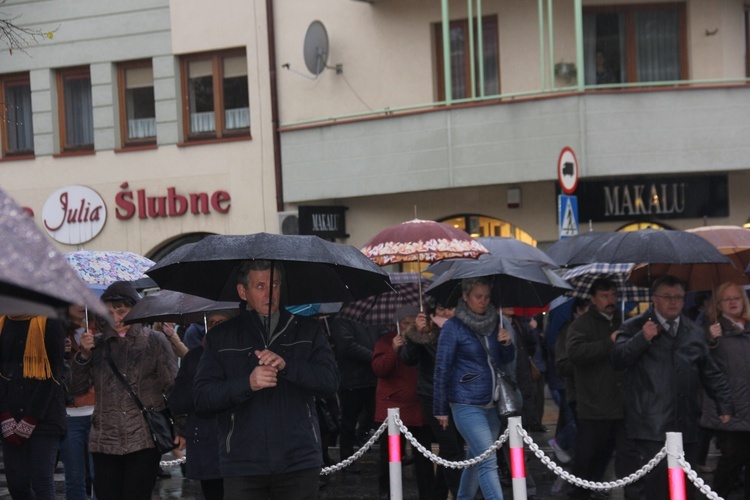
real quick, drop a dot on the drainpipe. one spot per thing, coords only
(472, 66)
(480, 48)
(542, 63)
(551, 35)
(274, 106)
(446, 52)
(579, 45)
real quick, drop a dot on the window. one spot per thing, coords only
(747, 41)
(137, 109)
(215, 93)
(15, 111)
(635, 43)
(76, 110)
(460, 59)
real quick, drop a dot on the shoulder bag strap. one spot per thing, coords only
(108, 355)
(489, 355)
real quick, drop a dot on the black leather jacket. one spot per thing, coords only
(354, 343)
(664, 377)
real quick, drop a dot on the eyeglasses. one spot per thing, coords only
(671, 298)
(731, 299)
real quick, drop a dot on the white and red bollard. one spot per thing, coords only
(517, 461)
(677, 489)
(394, 455)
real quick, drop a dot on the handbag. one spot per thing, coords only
(505, 392)
(160, 422)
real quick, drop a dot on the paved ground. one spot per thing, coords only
(364, 485)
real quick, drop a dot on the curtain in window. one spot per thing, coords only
(141, 128)
(237, 118)
(18, 118)
(79, 115)
(202, 122)
(458, 62)
(491, 58)
(589, 48)
(657, 45)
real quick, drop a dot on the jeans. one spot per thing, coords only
(480, 428)
(30, 468)
(74, 453)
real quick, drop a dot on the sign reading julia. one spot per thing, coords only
(74, 214)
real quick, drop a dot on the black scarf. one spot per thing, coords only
(482, 324)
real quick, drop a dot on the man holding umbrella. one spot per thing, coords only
(667, 360)
(259, 373)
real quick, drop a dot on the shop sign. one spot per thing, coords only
(325, 221)
(650, 198)
(172, 204)
(74, 214)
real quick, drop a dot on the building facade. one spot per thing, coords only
(144, 125)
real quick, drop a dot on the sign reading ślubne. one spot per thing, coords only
(74, 214)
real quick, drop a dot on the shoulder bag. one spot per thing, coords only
(506, 395)
(160, 422)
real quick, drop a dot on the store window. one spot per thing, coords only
(16, 124)
(635, 43)
(635, 226)
(215, 93)
(75, 109)
(137, 107)
(460, 43)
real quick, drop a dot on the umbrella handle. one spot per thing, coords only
(86, 316)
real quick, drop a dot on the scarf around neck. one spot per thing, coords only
(482, 324)
(35, 362)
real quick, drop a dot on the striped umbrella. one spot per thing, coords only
(581, 278)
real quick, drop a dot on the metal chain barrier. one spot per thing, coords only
(172, 463)
(697, 481)
(585, 483)
(463, 464)
(347, 462)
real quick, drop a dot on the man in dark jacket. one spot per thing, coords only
(598, 386)
(667, 361)
(260, 373)
(354, 343)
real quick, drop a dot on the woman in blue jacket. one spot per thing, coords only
(465, 378)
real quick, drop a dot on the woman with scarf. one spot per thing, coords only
(32, 403)
(465, 378)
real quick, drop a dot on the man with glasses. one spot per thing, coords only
(667, 361)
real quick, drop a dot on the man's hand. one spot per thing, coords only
(168, 330)
(263, 377)
(442, 420)
(650, 330)
(725, 418)
(423, 322)
(398, 342)
(613, 336)
(179, 442)
(270, 358)
(86, 344)
(714, 331)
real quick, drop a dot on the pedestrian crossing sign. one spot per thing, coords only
(567, 209)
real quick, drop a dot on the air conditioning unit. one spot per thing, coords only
(289, 222)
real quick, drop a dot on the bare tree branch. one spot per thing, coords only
(17, 37)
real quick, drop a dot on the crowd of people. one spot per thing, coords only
(260, 394)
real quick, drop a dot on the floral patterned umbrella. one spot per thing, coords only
(98, 267)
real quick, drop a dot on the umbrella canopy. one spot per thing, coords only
(507, 247)
(99, 267)
(648, 246)
(380, 309)
(34, 277)
(732, 241)
(421, 241)
(582, 277)
(175, 307)
(515, 283)
(565, 251)
(697, 277)
(315, 270)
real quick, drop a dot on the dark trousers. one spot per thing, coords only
(451, 448)
(656, 483)
(422, 465)
(213, 489)
(596, 441)
(735, 454)
(30, 468)
(126, 477)
(354, 402)
(297, 485)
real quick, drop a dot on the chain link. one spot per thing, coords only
(697, 481)
(357, 454)
(463, 464)
(173, 463)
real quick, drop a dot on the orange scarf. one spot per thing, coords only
(35, 362)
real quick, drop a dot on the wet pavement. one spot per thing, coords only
(364, 485)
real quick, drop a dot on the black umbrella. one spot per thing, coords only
(34, 277)
(498, 245)
(565, 252)
(515, 283)
(315, 270)
(175, 307)
(650, 246)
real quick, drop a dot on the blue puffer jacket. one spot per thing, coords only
(463, 374)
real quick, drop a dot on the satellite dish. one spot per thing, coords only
(315, 49)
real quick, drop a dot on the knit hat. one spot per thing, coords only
(121, 291)
(405, 311)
